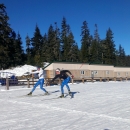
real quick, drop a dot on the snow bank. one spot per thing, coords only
(18, 71)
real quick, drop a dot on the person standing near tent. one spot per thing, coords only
(62, 74)
(39, 82)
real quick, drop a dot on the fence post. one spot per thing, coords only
(126, 78)
(32, 81)
(92, 79)
(100, 79)
(7, 83)
(32, 78)
(45, 82)
(108, 79)
(83, 80)
(59, 81)
(28, 83)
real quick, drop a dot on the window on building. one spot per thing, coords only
(127, 73)
(118, 73)
(95, 72)
(82, 72)
(107, 72)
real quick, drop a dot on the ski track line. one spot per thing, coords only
(91, 115)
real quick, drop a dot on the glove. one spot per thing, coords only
(72, 76)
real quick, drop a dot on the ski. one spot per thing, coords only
(55, 98)
(34, 95)
(71, 95)
(49, 93)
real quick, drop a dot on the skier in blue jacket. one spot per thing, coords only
(40, 81)
(62, 74)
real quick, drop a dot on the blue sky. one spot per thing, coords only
(25, 14)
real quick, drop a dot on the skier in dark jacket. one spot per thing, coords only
(62, 74)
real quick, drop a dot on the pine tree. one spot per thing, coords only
(51, 44)
(57, 52)
(122, 56)
(95, 50)
(36, 43)
(28, 49)
(73, 51)
(18, 51)
(5, 32)
(109, 48)
(11, 59)
(117, 62)
(102, 51)
(85, 43)
(44, 51)
(128, 60)
(69, 49)
(64, 39)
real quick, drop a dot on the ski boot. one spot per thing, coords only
(62, 96)
(69, 92)
(29, 93)
(46, 93)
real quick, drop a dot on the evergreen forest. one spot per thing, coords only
(58, 45)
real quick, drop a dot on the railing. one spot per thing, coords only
(8, 82)
(12, 82)
(88, 79)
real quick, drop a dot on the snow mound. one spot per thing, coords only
(18, 71)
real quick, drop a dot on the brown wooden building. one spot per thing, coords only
(86, 71)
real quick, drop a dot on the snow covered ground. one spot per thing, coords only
(95, 106)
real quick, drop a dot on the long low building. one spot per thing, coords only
(84, 70)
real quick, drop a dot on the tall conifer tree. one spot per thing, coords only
(57, 46)
(122, 56)
(96, 52)
(19, 53)
(85, 42)
(28, 49)
(36, 43)
(64, 39)
(5, 40)
(51, 44)
(109, 48)
(44, 51)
